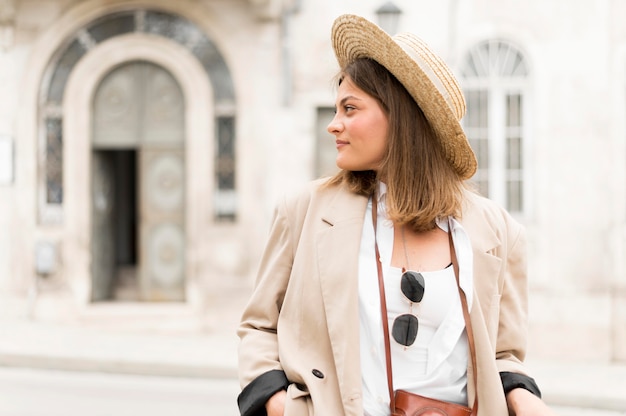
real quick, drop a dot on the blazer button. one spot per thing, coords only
(317, 373)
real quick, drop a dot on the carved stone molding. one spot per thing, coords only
(267, 9)
(7, 10)
(7, 23)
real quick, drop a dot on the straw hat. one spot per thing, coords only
(424, 75)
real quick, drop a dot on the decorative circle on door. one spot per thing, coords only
(166, 255)
(166, 182)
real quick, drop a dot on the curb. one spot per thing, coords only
(588, 385)
(120, 366)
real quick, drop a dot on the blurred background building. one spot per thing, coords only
(143, 144)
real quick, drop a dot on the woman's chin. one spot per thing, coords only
(346, 164)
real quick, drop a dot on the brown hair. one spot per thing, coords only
(421, 184)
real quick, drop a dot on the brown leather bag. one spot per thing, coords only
(410, 404)
(404, 403)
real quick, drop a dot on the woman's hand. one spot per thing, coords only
(521, 402)
(275, 406)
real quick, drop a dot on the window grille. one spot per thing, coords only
(158, 23)
(495, 78)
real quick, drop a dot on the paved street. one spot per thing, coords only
(27, 392)
(571, 411)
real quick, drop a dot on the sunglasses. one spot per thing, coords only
(404, 329)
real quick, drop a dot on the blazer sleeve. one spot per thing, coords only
(513, 323)
(260, 372)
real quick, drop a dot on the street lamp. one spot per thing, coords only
(388, 17)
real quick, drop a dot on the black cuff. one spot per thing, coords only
(253, 397)
(512, 381)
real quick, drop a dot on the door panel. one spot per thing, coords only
(103, 222)
(163, 114)
(162, 224)
(139, 106)
(117, 109)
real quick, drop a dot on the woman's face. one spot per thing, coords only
(360, 128)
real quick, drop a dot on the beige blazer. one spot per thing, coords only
(303, 315)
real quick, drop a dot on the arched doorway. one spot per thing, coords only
(89, 48)
(138, 185)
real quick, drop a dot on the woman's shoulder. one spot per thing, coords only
(307, 191)
(321, 197)
(300, 197)
(479, 208)
(473, 200)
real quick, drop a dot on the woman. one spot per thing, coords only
(312, 338)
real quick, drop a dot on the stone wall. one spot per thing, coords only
(282, 65)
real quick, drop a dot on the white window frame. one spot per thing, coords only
(500, 69)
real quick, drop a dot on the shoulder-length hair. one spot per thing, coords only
(421, 184)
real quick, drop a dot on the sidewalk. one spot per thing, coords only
(213, 354)
(584, 385)
(26, 343)
(164, 339)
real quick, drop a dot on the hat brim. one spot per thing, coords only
(354, 37)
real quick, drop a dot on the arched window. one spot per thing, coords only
(496, 83)
(153, 22)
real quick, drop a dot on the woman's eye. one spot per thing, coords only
(349, 107)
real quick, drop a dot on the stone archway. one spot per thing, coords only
(138, 186)
(210, 120)
(77, 148)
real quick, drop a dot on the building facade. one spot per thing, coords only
(143, 144)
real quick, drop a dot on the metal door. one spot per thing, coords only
(162, 253)
(140, 106)
(103, 239)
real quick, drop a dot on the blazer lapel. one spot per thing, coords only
(484, 240)
(338, 255)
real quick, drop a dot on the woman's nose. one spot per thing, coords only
(334, 126)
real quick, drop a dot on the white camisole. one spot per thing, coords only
(436, 364)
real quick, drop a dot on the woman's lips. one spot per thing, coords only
(341, 143)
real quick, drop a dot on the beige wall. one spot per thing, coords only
(576, 52)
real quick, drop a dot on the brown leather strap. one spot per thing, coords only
(466, 316)
(383, 310)
(383, 307)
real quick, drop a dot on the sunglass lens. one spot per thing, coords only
(404, 329)
(412, 285)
